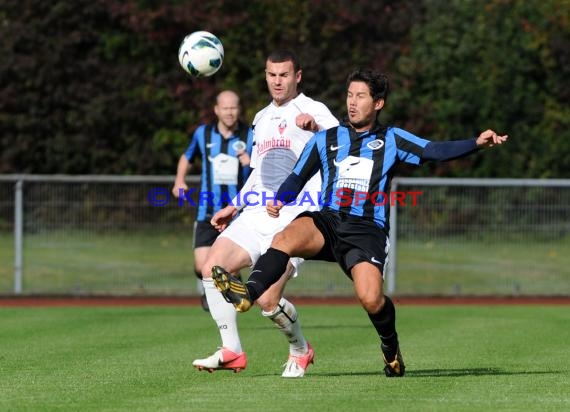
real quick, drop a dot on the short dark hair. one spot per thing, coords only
(376, 81)
(285, 55)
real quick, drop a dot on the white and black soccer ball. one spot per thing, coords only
(201, 54)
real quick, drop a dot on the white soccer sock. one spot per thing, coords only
(285, 317)
(225, 316)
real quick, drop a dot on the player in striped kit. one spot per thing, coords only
(356, 161)
(224, 151)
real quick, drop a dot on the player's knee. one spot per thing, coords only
(267, 303)
(287, 242)
(279, 240)
(372, 303)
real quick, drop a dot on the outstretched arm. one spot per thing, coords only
(450, 150)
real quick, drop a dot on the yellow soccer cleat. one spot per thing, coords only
(232, 289)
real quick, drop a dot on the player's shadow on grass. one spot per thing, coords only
(441, 373)
(444, 373)
(309, 327)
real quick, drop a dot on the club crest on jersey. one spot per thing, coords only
(282, 126)
(375, 144)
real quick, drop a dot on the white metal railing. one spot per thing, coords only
(20, 179)
(398, 182)
(559, 208)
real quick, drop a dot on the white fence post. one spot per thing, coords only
(391, 267)
(18, 235)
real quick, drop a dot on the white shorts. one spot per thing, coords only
(254, 229)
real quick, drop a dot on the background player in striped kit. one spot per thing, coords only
(225, 155)
(356, 160)
(281, 131)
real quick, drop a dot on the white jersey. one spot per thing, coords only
(278, 143)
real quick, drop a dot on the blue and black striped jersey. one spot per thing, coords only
(222, 173)
(357, 168)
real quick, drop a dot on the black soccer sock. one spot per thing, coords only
(268, 269)
(385, 324)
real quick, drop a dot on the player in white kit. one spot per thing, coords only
(281, 131)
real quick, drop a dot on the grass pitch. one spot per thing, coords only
(460, 358)
(76, 263)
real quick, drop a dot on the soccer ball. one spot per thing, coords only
(201, 54)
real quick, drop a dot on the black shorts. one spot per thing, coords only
(204, 234)
(350, 240)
